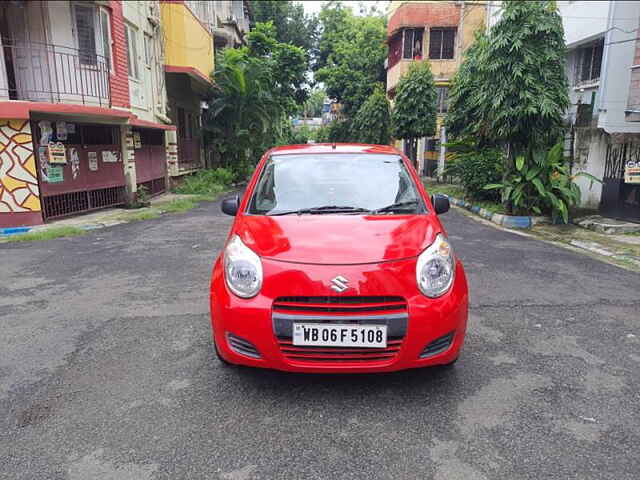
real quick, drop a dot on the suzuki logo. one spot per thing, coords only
(340, 284)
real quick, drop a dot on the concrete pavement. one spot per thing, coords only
(107, 371)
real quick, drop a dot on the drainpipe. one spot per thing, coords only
(605, 59)
(443, 152)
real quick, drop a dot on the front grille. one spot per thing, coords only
(340, 304)
(339, 354)
(242, 346)
(439, 345)
(347, 310)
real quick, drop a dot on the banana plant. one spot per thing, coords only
(541, 183)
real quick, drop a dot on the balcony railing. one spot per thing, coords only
(52, 73)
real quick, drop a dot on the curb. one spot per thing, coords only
(14, 231)
(507, 221)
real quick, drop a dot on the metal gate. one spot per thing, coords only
(151, 164)
(620, 199)
(86, 173)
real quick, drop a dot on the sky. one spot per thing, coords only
(313, 6)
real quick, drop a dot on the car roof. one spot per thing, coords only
(333, 148)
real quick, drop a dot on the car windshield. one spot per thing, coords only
(335, 183)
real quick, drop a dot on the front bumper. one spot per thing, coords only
(254, 320)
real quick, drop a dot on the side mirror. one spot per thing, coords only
(230, 205)
(440, 203)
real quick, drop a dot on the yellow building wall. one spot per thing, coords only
(187, 43)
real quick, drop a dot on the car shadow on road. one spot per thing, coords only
(409, 381)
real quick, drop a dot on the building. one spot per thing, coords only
(232, 21)
(604, 77)
(193, 30)
(98, 98)
(435, 31)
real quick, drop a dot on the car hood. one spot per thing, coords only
(338, 239)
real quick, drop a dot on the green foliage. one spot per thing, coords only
(414, 114)
(334, 23)
(313, 106)
(541, 183)
(206, 182)
(512, 89)
(142, 195)
(321, 135)
(474, 168)
(48, 234)
(257, 88)
(290, 23)
(352, 54)
(372, 121)
(339, 131)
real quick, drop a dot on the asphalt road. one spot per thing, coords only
(107, 371)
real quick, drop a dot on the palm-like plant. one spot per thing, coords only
(242, 111)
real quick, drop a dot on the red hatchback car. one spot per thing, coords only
(337, 262)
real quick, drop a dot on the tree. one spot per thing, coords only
(257, 88)
(512, 90)
(414, 113)
(313, 106)
(371, 124)
(355, 50)
(333, 24)
(291, 24)
(242, 108)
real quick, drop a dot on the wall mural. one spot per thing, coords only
(18, 179)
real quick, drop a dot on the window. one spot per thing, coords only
(130, 34)
(412, 43)
(105, 35)
(367, 181)
(85, 17)
(443, 99)
(93, 34)
(148, 49)
(589, 63)
(442, 42)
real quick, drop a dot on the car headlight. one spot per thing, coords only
(242, 269)
(435, 268)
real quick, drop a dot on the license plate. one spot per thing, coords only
(313, 334)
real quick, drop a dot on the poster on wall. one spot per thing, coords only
(75, 162)
(109, 156)
(632, 172)
(56, 174)
(57, 153)
(43, 160)
(93, 161)
(45, 132)
(137, 141)
(61, 131)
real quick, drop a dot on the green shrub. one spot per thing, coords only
(542, 183)
(206, 182)
(474, 168)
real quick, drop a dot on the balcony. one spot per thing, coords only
(43, 72)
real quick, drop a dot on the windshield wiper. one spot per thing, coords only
(398, 206)
(323, 209)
